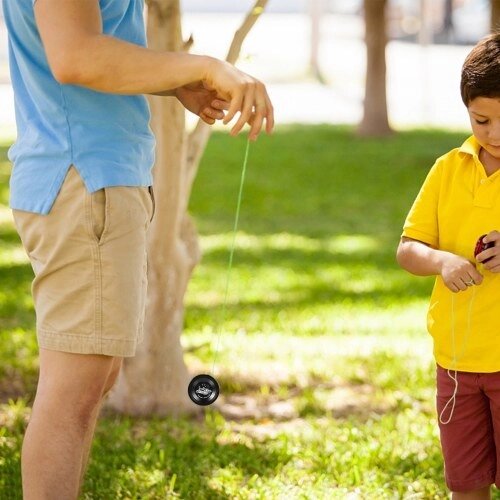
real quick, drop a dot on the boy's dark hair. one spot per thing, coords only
(481, 70)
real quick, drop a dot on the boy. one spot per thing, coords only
(457, 204)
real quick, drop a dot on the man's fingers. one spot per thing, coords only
(269, 115)
(213, 113)
(257, 119)
(207, 119)
(254, 106)
(246, 111)
(234, 107)
(218, 104)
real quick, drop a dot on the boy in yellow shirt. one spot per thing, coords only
(458, 203)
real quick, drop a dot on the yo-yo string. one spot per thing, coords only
(455, 359)
(231, 254)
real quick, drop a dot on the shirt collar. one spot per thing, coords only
(470, 146)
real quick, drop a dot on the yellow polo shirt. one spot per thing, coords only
(456, 204)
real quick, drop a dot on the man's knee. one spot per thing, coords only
(71, 386)
(113, 375)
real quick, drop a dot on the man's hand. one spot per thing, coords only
(205, 103)
(492, 265)
(245, 94)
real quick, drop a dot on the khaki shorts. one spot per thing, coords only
(89, 258)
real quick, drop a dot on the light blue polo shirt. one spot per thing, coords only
(106, 136)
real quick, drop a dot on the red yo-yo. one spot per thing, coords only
(481, 246)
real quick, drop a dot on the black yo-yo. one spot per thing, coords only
(481, 247)
(203, 390)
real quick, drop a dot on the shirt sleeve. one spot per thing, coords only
(422, 220)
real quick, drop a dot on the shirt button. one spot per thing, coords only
(483, 181)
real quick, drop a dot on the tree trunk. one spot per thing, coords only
(316, 10)
(495, 16)
(375, 121)
(448, 16)
(155, 381)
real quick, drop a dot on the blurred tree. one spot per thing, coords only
(155, 381)
(316, 11)
(495, 16)
(375, 121)
(448, 28)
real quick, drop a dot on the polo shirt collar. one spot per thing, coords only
(470, 146)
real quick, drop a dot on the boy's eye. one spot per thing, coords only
(479, 122)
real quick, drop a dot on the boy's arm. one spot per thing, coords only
(419, 258)
(79, 53)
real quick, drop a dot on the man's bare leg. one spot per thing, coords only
(87, 446)
(68, 396)
(89, 436)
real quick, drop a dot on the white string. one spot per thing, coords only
(455, 360)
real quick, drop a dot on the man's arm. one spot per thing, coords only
(79, 53)
(166, 93)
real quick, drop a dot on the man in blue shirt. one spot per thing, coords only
(79, 69)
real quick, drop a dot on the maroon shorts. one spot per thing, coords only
(471, 439)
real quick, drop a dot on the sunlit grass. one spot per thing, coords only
(323, 351)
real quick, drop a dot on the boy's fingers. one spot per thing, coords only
(491, 236)
(473, 278)
(485, 254)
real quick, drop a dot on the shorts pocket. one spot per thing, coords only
(151, 193)
(99, 205)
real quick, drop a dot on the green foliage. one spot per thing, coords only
(321, 325)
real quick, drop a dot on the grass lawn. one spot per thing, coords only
(325, 364)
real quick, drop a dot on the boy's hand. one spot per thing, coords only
(458, 273)
(245, 94)
(492, 265)
(205, 103)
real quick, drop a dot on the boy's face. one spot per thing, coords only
(484, 114)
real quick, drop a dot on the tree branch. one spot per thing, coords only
(198, 138)
(242, 32)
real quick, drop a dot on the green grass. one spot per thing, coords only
(323, 353)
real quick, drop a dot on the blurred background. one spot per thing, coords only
(312, 56)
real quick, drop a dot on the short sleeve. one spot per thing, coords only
(422, 220)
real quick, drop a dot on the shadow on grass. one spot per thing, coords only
(136, 458)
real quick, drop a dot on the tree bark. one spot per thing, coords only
(495, 16)
(375, 121)
(155, 381)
